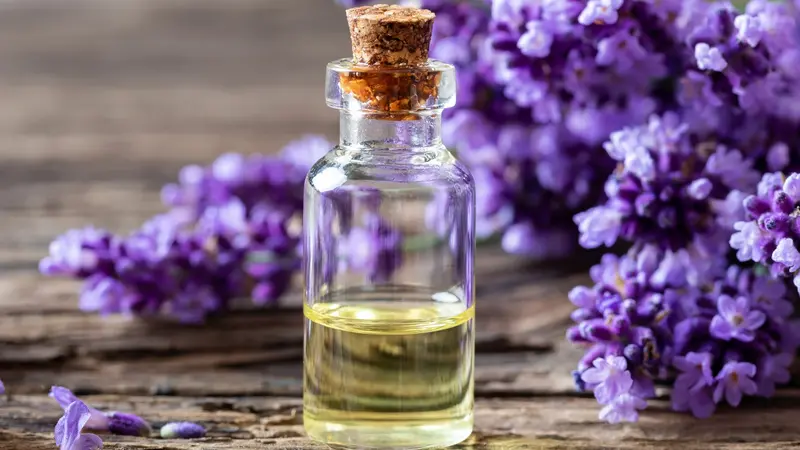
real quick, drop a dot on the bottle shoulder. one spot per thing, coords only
(434, 166)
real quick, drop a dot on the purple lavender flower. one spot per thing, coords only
(698, 401)
(113, 422)
(770, 234)
(709, 58)
(78, 252)
(735, 319)
(96, 419)
(227, 236)
(304, 152)
(665, 192)
(127, 424)
(609, 378)
(746, 240)
(182, 430)
(536, 41)
(69, 429)
(786, 253)
(693, 387)
(600, 12)
(646, 310)
(778, 156)
(621, 49)
(623, 316)
(598, 226)
(734, 380)
(696, 370)
(624, 408)
(772, 370)
(748, 29)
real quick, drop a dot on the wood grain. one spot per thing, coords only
(102, 103)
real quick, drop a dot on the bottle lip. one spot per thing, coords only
(390, 89)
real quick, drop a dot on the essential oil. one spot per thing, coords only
(388, 373)
(389, 250)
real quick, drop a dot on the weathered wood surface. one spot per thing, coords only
(101, 103)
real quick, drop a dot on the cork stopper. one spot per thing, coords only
(390, 35)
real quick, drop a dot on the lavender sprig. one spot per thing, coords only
(666, 191)
(771, 234)
(229, 234)
(644, 322)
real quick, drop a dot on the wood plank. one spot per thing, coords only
(546, 423)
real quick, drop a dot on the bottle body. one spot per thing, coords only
(389, 302)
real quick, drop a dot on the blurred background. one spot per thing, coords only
(102, 101)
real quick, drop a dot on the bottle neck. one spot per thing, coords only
(363, 131)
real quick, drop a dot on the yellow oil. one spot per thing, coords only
(382, 374)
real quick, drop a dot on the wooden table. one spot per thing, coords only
(101, 102)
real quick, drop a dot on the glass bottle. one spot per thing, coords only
(389, 249)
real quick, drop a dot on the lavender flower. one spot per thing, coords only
(609, 377)
(622, 317)
(598, 226)
(769, 236)
(113, 422)
(600, 12)
(692, 388)
(734, 380)
(182, 430)
(735, 319)
(623, 408)
(78, 252)
(645, 311)
(748, 29)
(96, 419)
(709, 58)
(530, 175)
(226, 236)
(665, 191)
(69, 429)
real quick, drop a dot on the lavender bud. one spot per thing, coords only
(699, 189)
(127, 424)
(795, 226)
(755, 206)
(633, 353)
(182, 430)
(778, 223)
(629, 230)
(620, 326)
(596, 331)
(667, 218)
(629, 309)
(782, 203)
(580, 385)
(644, 204)
(587, 360)
(666, 194)
(581, 314)
(574, 334)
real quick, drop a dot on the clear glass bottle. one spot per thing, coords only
(389, 251)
